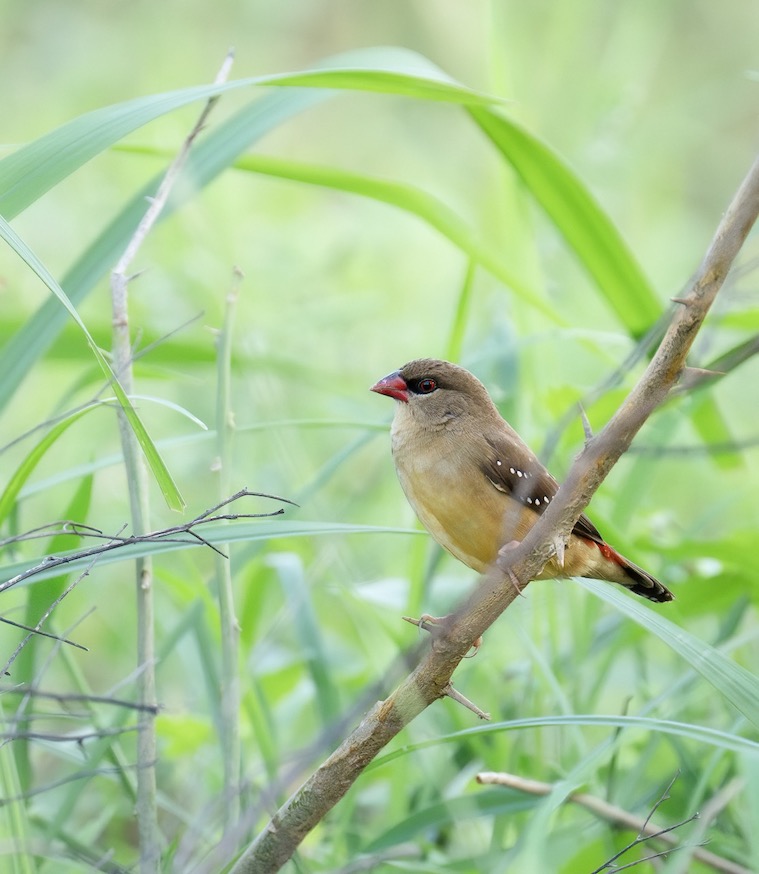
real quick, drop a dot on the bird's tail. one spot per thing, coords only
(639, 581)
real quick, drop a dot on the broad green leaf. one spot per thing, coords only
(155, 462)
(579, 218)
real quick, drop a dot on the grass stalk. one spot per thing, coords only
(230, 628)
(139, 503)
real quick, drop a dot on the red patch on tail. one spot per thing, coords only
(610, 554)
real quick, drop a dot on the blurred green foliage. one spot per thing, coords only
(398, 215)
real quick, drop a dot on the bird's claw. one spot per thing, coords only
(506, 566)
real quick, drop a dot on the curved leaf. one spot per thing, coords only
(580, 219)
(29, 172)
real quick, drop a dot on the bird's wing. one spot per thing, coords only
(513, 469)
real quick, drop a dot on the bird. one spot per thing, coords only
(474, 483)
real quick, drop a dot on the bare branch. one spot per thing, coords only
(43, 619)
(622, 818)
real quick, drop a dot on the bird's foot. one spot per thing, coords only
(436, 626)
(505, 566)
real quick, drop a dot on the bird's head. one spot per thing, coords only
(436, 391)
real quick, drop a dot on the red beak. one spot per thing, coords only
(393, 385)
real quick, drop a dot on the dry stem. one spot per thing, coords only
(137, 478)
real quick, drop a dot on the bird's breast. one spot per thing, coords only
(452, 498)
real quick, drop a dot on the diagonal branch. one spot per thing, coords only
(430, 679)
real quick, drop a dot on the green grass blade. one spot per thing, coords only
(155, 462)
(295, 586)
(32, 459)
(579, 218)
(453, 812)
(39, 599)
(734, 682)
(698, 733)
(15, 832)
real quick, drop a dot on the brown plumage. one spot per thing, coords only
(474, 483)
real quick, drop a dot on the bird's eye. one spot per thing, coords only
(426, 386)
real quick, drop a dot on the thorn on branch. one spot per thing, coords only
(455, 695)
(691, 377)
(586, 426)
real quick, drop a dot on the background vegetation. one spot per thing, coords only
(424, 236)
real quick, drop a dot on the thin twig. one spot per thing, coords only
(163, 535)
(158, 201)
(39, 633)
(68, 738)
(67, 698)
(72, 778)
(43, 619)
(642, 839)
(60, 526)
(311, 802)
(665, 796)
